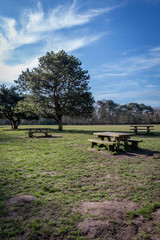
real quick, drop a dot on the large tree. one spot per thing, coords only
(59, 85)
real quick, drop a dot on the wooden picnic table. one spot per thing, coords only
(45, 131)
(137, 128)
(114, 139)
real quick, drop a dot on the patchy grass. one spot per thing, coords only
(64, 172)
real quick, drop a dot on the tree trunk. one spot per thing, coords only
(14, 123)
(60, 124)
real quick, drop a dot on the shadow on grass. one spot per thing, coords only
(140, 151)
(80, 131)
(90, 132)
(154, 135)
(74, 131)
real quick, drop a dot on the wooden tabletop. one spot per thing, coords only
(141, 125)
(113, 134)
(38, 128)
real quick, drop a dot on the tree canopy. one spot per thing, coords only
(59, 85)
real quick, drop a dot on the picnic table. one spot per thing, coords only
(114, 139)
(45, 131)
(137, 128)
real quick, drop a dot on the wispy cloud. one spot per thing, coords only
(35, 26)
(127, 66)
(10, 73)
(134, 78)
(145, 96)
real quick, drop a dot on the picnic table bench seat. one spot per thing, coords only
(109, 144)
(134, 143)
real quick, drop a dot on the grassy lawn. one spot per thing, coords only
(62, 173)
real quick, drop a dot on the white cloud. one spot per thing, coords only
(11, 73)
(152, 86)
(35, 26)
(157, 49)
(69, 44)
(132, 79)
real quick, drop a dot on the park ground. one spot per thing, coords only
(61, 188)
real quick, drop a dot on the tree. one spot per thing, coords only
(136, 113)
(60, 86)
(108, 111)
(10, 101)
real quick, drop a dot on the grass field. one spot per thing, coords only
(45, 183)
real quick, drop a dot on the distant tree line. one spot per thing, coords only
(109, 112)
(57, 92)
(14, 110)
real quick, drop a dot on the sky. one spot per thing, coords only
(117, 41)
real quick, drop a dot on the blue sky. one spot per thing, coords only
(118, 42)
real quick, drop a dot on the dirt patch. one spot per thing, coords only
(49, 136)
(20, 169)
(22, 199)
(21, 136)
(156, 155)
(109, 176)
(157, 215)
(109, 220)
(49, 173)
(114, 209)
(29, 175)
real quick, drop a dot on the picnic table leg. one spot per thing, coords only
(102, 138)
(135, 129)
(30, 134)
(93, 144)
(118, 143)
(111, 148)
(148, 130)
(125, 143)
(109, 138)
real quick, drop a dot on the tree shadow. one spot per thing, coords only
(80, 131)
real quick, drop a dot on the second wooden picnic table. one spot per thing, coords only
(137, 128)
(45, 131)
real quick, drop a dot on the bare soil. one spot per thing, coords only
(22, 199)
(108, 220)
(49, 136)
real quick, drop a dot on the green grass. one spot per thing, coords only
(62, 173)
